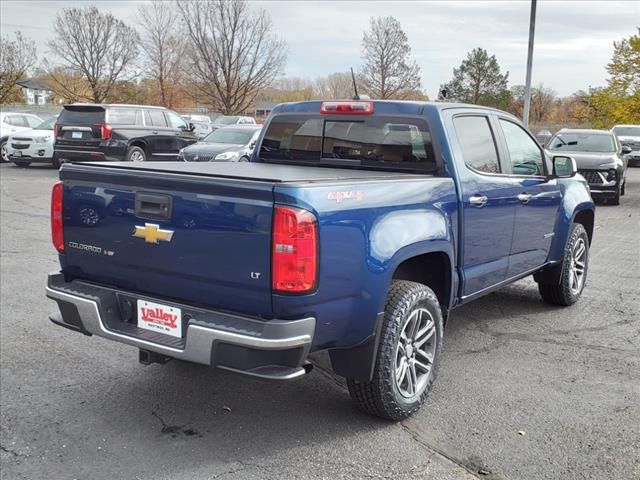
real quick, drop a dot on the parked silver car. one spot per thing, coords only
(629, 136)
(226, 144)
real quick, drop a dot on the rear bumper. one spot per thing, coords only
(26, 159)
(274, 349)
(80, 155)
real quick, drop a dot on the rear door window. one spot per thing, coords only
(477, 143)
(377, 142)
(122, 116)
(157, 118)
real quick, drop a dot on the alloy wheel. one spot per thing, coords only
(578, 266)
(415, 353)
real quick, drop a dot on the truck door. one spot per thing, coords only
(538, 197)
(487, 204)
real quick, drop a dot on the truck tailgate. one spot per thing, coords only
(198, 240)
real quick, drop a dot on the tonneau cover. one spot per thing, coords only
(267, 172)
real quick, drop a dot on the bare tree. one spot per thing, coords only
(337, 85)
(235, 55)
(16, 58)
(95, 44)
(163, 48)
(543, 101)
(388, 71)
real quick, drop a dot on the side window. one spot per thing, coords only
(122, 116)
(526, 157)
(139, 117)
(477, 143)
(17, 121)
(157, 118)
(176, 121)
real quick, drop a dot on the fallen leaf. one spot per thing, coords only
(226, 408)
(522, 433)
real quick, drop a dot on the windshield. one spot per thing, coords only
(627, 131)
(583, 142)
(47, 124)
(230, 136)
(226, 121)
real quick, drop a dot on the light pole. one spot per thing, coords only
(527, 87)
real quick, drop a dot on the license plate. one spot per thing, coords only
(76, 134)
(17, 153)
(160, 318)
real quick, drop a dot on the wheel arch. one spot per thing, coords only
(586, 218)
(433, 269)
(138, 142)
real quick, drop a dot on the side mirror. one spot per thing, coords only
(252, 145)
(192, 127)
(626, 150)
(564, 167)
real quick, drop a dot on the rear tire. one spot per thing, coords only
(136, 154)
(567, 289)
(55, 162)
(408, 354)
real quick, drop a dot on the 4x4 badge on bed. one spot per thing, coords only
(152, 233)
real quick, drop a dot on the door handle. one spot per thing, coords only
(524, 197)
(155, 132)
(478, 200)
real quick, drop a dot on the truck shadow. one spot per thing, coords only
(212, 419)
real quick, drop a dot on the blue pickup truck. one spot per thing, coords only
(357, 228)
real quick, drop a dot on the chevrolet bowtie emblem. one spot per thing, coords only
(152, 233)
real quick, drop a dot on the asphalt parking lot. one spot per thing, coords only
(525, 390)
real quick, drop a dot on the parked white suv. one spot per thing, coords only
(32, 146)
(12, 122)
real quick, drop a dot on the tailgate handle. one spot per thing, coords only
(153, 206)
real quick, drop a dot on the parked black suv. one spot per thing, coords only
(92, 132)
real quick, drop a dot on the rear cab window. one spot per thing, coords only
(378, 142)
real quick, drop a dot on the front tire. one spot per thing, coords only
(136, 154)
(408, 354)
(4, 154)
(567, 289)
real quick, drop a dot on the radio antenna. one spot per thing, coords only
(355, 87)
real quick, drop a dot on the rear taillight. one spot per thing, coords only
(347, 108)
(105, 130)
(57, 223)
(295, 250)
(56, 130)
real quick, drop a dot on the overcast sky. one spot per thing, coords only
(574, 39)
